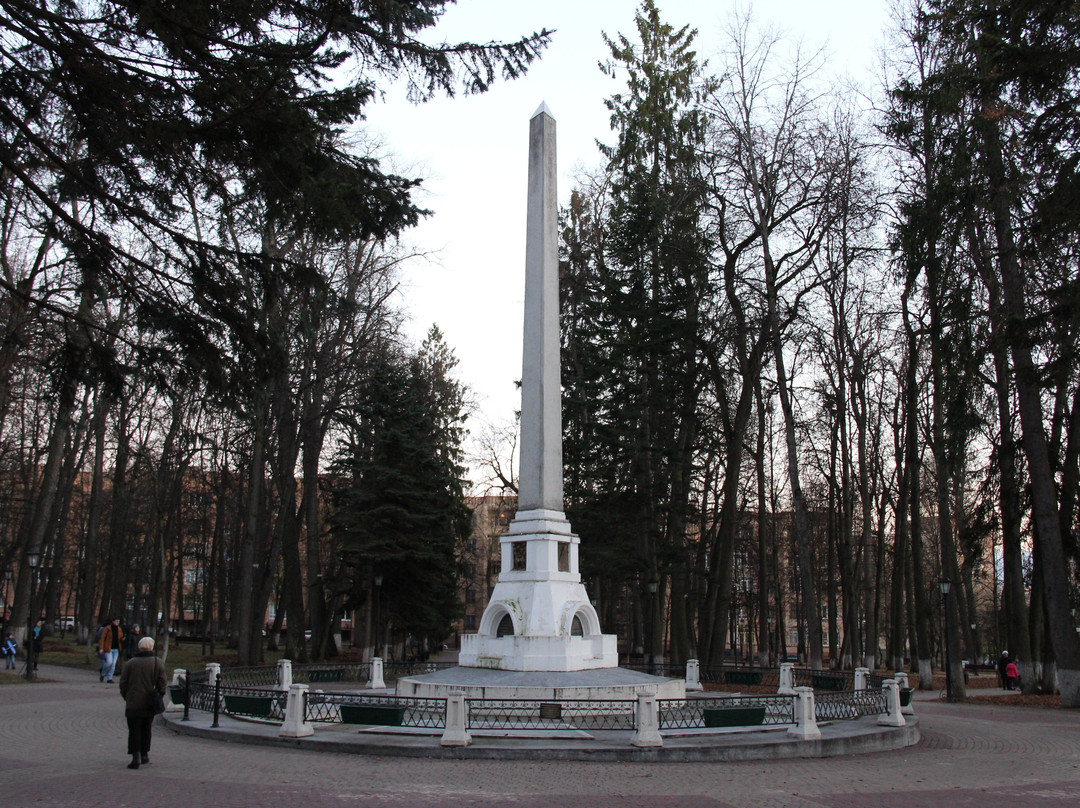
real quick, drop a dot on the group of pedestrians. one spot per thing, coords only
(142, 682)
(10, 650)
(1008, 672)
(112, 639)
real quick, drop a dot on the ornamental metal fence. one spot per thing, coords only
(243, 692)
(724, 711)
(349, 708)
(563, 714)
(255, 676)
(822, 680)
(849, 705)
(739, 676)
(321, 673)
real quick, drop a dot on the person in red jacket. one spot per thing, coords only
(1012, 675)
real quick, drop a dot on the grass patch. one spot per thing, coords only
(190, 656)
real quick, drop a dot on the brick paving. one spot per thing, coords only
(62, 746)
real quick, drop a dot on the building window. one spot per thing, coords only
(470, 622)
(518, 553)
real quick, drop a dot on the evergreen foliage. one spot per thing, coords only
(403, 513)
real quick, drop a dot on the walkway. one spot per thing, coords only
(62, 746)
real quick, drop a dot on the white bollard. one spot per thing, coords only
(806, 728)
(284, 674)
(296, 724)
(179, 675)
(861, 677)
(902, 682)
(892, 716)
(376, 681)
(787, 679)
(647, 732)
(693, 675)
(213, 671)
(456, 731)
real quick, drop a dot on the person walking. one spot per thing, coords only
(142, 676)
(9, 650)
(1003, 660)
(109, 644)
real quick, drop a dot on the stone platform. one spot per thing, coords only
(597, 684)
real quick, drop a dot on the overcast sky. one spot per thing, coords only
(472, 154)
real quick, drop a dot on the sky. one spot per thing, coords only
(472, 153)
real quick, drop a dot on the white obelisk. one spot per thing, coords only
(539, 617)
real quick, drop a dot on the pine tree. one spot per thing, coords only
(403, 514)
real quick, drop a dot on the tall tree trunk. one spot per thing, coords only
(912, 462)
(1045, 508)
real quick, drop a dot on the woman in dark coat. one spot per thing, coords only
(143, 675)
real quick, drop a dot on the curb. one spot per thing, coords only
(863, 736)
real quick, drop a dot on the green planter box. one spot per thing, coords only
(383, 715)
(254, 706)
(326, 675)
(734, 716)
(742, 677)
(905, 696)
(176, 695)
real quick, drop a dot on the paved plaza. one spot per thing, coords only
(62, 745)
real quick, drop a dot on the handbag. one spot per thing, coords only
(157, 703)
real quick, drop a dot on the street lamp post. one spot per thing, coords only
(945, 584)
(33, 560)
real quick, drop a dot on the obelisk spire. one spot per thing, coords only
(541, 473)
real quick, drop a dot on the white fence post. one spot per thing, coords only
(892, 716)
(284, 674)
(647, 732)
(787, 679)
(693, 675)
(376, 681)
(179, 675)
(902, 682)
(806, 728)
(213, 671)
(296, 724)
(861, 677)
(456, 729)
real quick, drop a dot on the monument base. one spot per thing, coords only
(530, 653)
(601, 684)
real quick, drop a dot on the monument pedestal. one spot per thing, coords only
(539, 617)
(604, 684)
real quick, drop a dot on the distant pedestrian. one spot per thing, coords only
(1012, 676)
(109, 644)
(9, 648)
(1003, 660)
(37, 636)
(131, 642)
(141, 678)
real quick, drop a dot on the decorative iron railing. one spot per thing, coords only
(565, 714)
(335, 708)
(237, 696)
(849, 705)
(726, 711)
